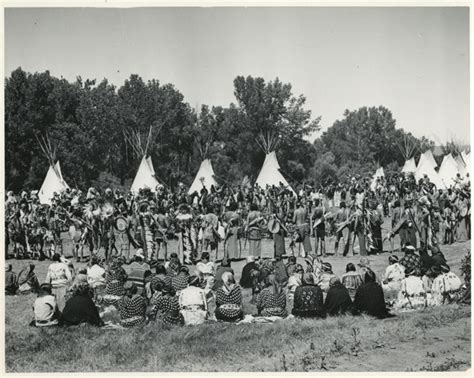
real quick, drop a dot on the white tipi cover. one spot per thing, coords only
(205, 172)
(429, 158)
(409, 166)
(448, 170)
(270, 173)
(53, 183)
(467, 160)
(461, 165)
(425, 167)
(145, 177)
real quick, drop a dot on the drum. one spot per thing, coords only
(121, 224)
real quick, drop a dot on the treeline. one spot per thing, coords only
(96, 126)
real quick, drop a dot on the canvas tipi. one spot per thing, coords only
(425, 167)
(448, 170)
(270, 173)
(429, 158)
(145, 177)
(204, 178)
(54, 181)
(460, 164)
(407, 149)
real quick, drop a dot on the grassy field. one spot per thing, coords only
(436, 339)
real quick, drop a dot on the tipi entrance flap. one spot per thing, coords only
(204, 177)
(144, 179)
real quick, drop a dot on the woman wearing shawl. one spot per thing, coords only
(229, 299)
(173, 266)
(325, 276)
(27, 280)
(166, 306)
(79, 307)
(294, 281)
(254, 233)
(351, 279)
(132, 307)
(193, 302)
(180, 281)
(207, 270)
(308, 300)
(392, 279)
(446, 287)
(338, 301)
(115, 278)
(369, 298)
(272, 300)
(412, 294)
(232, 219)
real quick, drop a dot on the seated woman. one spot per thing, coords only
(207, 270)
(446, 287)
(80, 308)
(160, 275)
(45, 308)
(412, 294)
(308, 301)
(229, 300)
(271, 301)
(193, 302)
(325, 276)
(165, 306)
(294, 281)
(338, 301)
(172, 266)
(180, 281)
(392, 279)
(115, 279)
(351, 279)
(132, 307)
(369, 298)
(27, 280)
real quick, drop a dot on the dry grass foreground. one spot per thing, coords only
(436, 339)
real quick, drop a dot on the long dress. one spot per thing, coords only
(394, 274)
(271, 304)
(338, 300)
(166, 307)
(232, 241)
(412, 294)
(254, 234)
(132, 311)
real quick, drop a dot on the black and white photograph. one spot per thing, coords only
(237, 189)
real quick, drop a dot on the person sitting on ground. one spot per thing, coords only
(11, 280)
(294, 281)
(80, 307)
(115, 279)
(246, 279)
(27, 280)
(280, 272)
(207, 270)
(338, 301)
(137, 272)
(223, 268)
(291, 265)
(95, 274)
(160, 275)
(325, 276)
(229, 300)
(45, 308)
(351, 279)
(446, 287)
(412, 294)
(172, 266)
(369, 298)
(411, 260)
(392, 279)
(60, 277)
(271, 300)
(166, 307)
(132, 307)
(193, 302)
(308, 299)
(180, 282)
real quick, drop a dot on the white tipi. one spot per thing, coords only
(145, 177)
(425, 167)
(378, 173)
(270, 173)
(429, 158)
(54, 181)
(204, 177)
(409, 166)
(448, 170)
(461, 165)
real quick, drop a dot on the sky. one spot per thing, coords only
(414, 61)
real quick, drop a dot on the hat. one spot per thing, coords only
(309, 260)
(364, 262)
(393, 259)
(444, 268)
(326, 267)
(139, 253)
(409, 248)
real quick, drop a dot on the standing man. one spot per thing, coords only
(300, 219)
